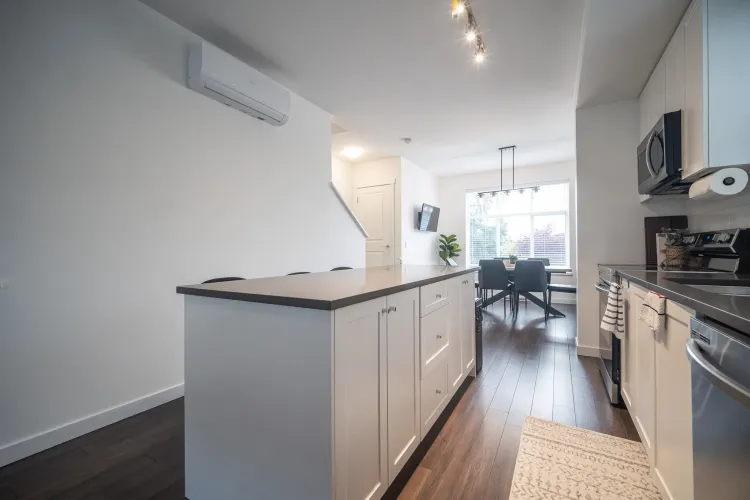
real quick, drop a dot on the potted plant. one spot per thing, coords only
(513, 259)
(449, 248)
(674, 251)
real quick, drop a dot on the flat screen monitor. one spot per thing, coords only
(428, 218)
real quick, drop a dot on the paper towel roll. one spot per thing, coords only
(726, 182)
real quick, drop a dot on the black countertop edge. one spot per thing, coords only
(322, 305)
(732, 311)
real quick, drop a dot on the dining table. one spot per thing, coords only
(551, 269)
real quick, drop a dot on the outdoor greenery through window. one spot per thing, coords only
(528, 223)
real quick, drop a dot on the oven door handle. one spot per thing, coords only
(731, 387)
(601, 288)
(648, 154)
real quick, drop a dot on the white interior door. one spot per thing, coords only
(374, 209)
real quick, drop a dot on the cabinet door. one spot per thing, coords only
(653, 99)
(674, 423)
(403, 379)
(645, 412)
(468, 335)
(693, 120)
(360, 401)
(674, 58)
(628, 362)
(455, 364)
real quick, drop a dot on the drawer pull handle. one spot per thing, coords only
(439, 336)
(437, 295)
(384, 311)
(438, 391)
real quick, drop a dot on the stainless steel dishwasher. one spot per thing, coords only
(720, 376)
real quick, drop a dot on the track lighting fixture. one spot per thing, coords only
(471, 33)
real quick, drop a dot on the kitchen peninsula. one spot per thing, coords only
(323, 385)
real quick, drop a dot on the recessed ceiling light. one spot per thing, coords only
(352, 152)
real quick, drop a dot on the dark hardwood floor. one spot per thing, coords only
(529, 369)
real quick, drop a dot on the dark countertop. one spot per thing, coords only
(731, 310)
(329, 290)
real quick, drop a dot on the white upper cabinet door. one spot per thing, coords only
(674, 59)
(717, 48)
(468, 336)
(403, 379)
(674, 422)
(360, 401)
(455, 364)
(693, 110)
(653, 99)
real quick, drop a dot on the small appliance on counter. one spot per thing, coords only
(660, 158)
(726, 251)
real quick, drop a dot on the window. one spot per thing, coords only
(528, 223)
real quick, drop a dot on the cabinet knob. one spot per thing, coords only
(438, 295)
(439, 336)
(383, 311)
(438, 391)
(394, 308)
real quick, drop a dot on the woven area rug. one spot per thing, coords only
(557, 462)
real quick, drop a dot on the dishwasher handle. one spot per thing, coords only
(732, 388)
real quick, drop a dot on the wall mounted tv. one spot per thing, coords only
(428, 218)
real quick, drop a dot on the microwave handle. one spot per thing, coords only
(648, 154)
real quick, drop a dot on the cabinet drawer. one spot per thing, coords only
(432, 297)
(434, 337)
(434, 393)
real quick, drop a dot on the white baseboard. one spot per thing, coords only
(587, 350)
(28, 446)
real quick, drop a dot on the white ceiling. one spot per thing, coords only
(622, 42)
(389, 69)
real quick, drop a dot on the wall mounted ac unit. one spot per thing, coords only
(218, 75)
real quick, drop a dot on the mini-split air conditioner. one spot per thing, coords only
(221, 77)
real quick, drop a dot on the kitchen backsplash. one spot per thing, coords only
(722, 214)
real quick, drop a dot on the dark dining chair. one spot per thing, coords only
(298, 272)
(543, 260)
(529, 276)
(493, 276)
(221, 280)
(342, 268)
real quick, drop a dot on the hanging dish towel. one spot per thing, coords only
(614, 317)
(654, 311)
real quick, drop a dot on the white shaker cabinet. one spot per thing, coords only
(717, 108)
(403, 378)
(468, 336)
(455, 361)
(628, 355)
(653, 99)
(674, 424)
(360, 392)
(674, 62)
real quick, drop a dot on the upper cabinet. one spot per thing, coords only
(653, 99)
(703, 72)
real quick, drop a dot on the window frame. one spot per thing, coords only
(530, 214)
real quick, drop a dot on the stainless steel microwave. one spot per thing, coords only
(660, 158)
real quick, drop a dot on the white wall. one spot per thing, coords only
(341, 176)
(610, 215)
(417, 186)
(117, 184)
(453, 203)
